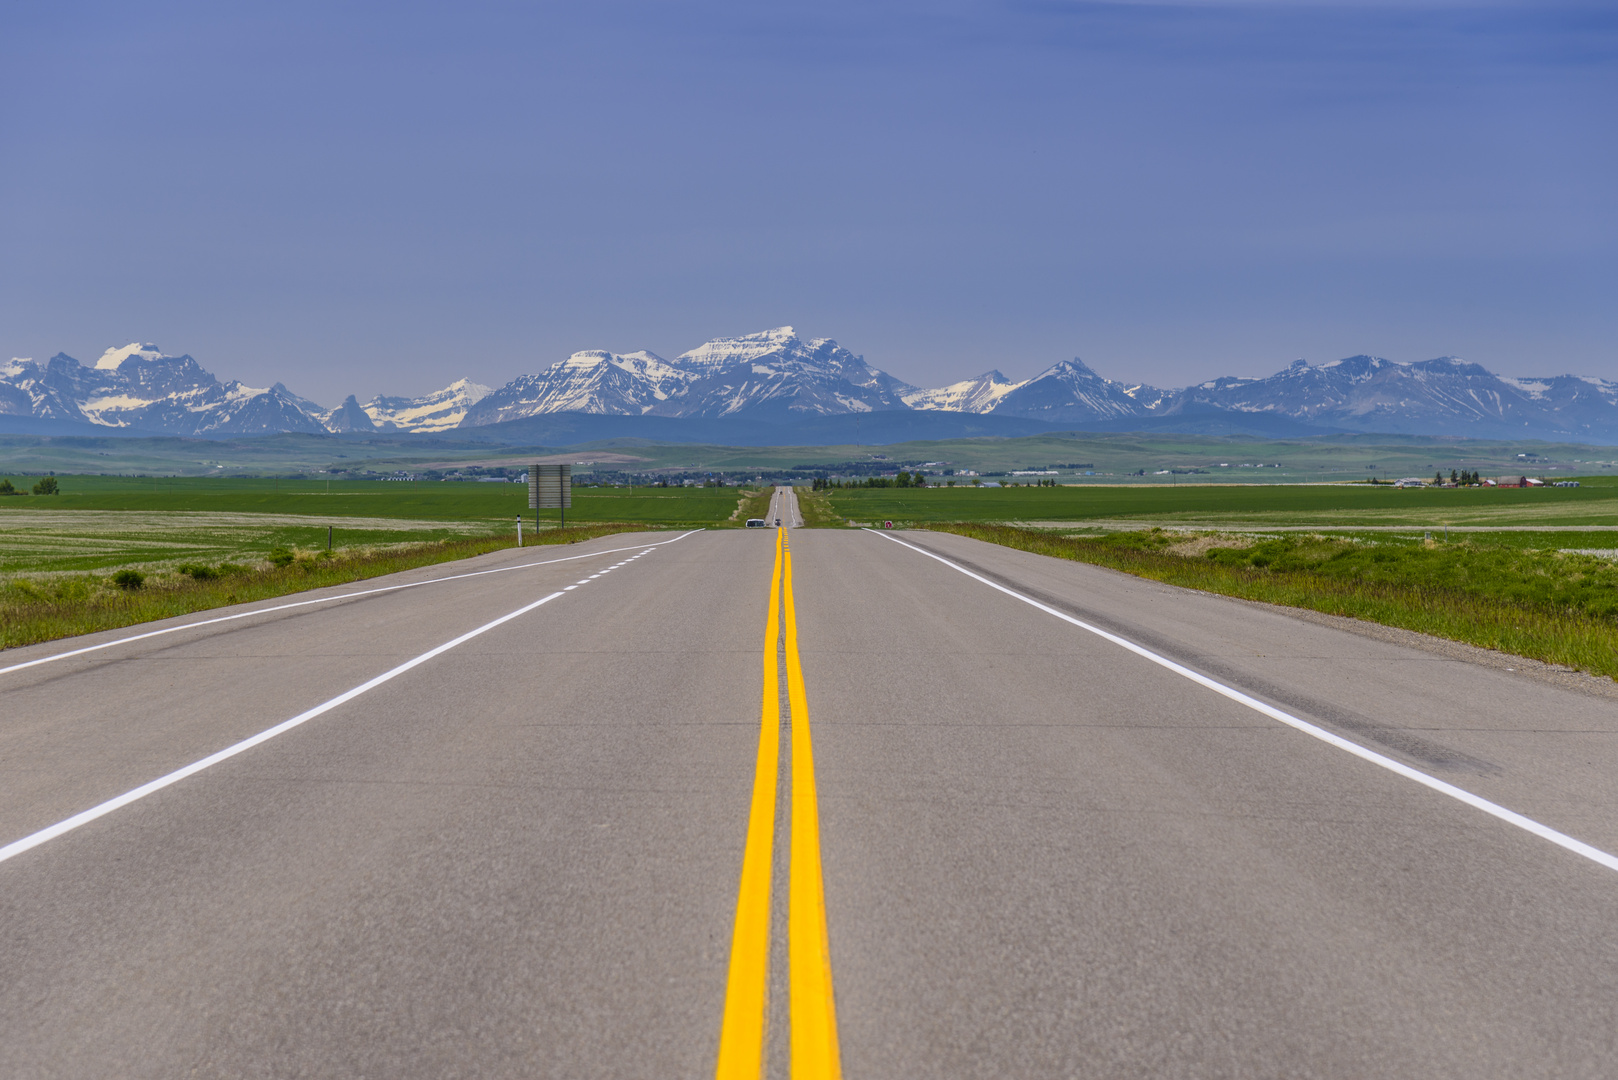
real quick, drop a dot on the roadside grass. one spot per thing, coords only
(754, 503)
(817, 510)
(1558, 608)
(44, 608)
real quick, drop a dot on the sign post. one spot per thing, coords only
(550, 487)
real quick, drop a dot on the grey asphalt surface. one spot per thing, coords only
(1044, 856)
(784, 508)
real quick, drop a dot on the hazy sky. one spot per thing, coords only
(364, 198)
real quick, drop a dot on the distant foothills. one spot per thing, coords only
(778, 378)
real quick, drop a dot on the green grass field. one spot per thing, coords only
(1111, 457)
(436, 501)
(200, 542)
(101, 523)
(1336, 506)
(36, 608)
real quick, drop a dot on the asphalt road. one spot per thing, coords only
(784, 509)
(1044, 855)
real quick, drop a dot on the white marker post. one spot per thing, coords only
(519, 530)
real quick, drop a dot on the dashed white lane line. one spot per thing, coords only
(325, 600)
(33, 840)
(1527, 824)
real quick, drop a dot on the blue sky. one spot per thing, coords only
(365, 198)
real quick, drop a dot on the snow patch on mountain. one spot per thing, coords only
(1147, 397)
(979, 395)
(591, 381)
(1068, 392)
(110, 409)
(438, 411)
(113, 358)
(720, 353)
(777, 371)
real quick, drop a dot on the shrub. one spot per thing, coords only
(199, 571)
(129, 579)
(46, 486)
(6, 488)
(281, 556)
(21, 590)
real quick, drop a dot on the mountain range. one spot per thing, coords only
(781, 378)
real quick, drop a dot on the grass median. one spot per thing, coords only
(57, 606)
(1552, 606)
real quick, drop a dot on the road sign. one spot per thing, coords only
(550, 487)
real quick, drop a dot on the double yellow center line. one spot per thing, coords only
(812, 1017)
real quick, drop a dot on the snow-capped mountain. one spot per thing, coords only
(438, 411)
(979, 395)
(1070, 392)
(592, 381)
(776, 373)
(349, 416)
(772, 371)
(138, 386)
(1446, 396)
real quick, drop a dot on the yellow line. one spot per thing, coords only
(814, 1019)
(741, 1036)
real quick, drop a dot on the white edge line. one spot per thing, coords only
(1527, 824)
(17, 847)
(320, 600)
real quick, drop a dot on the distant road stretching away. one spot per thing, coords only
(816, 802)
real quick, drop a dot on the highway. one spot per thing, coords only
(784, 509)
(954, 811)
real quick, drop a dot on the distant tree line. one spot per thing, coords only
(45, 486)
(902, 480)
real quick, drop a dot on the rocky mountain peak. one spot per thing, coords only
(778, 372)
(112, 359)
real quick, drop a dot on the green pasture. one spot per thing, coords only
(1147, 459)
(430, 500)
(1594, 505)
(35, 541)
(104, 522)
